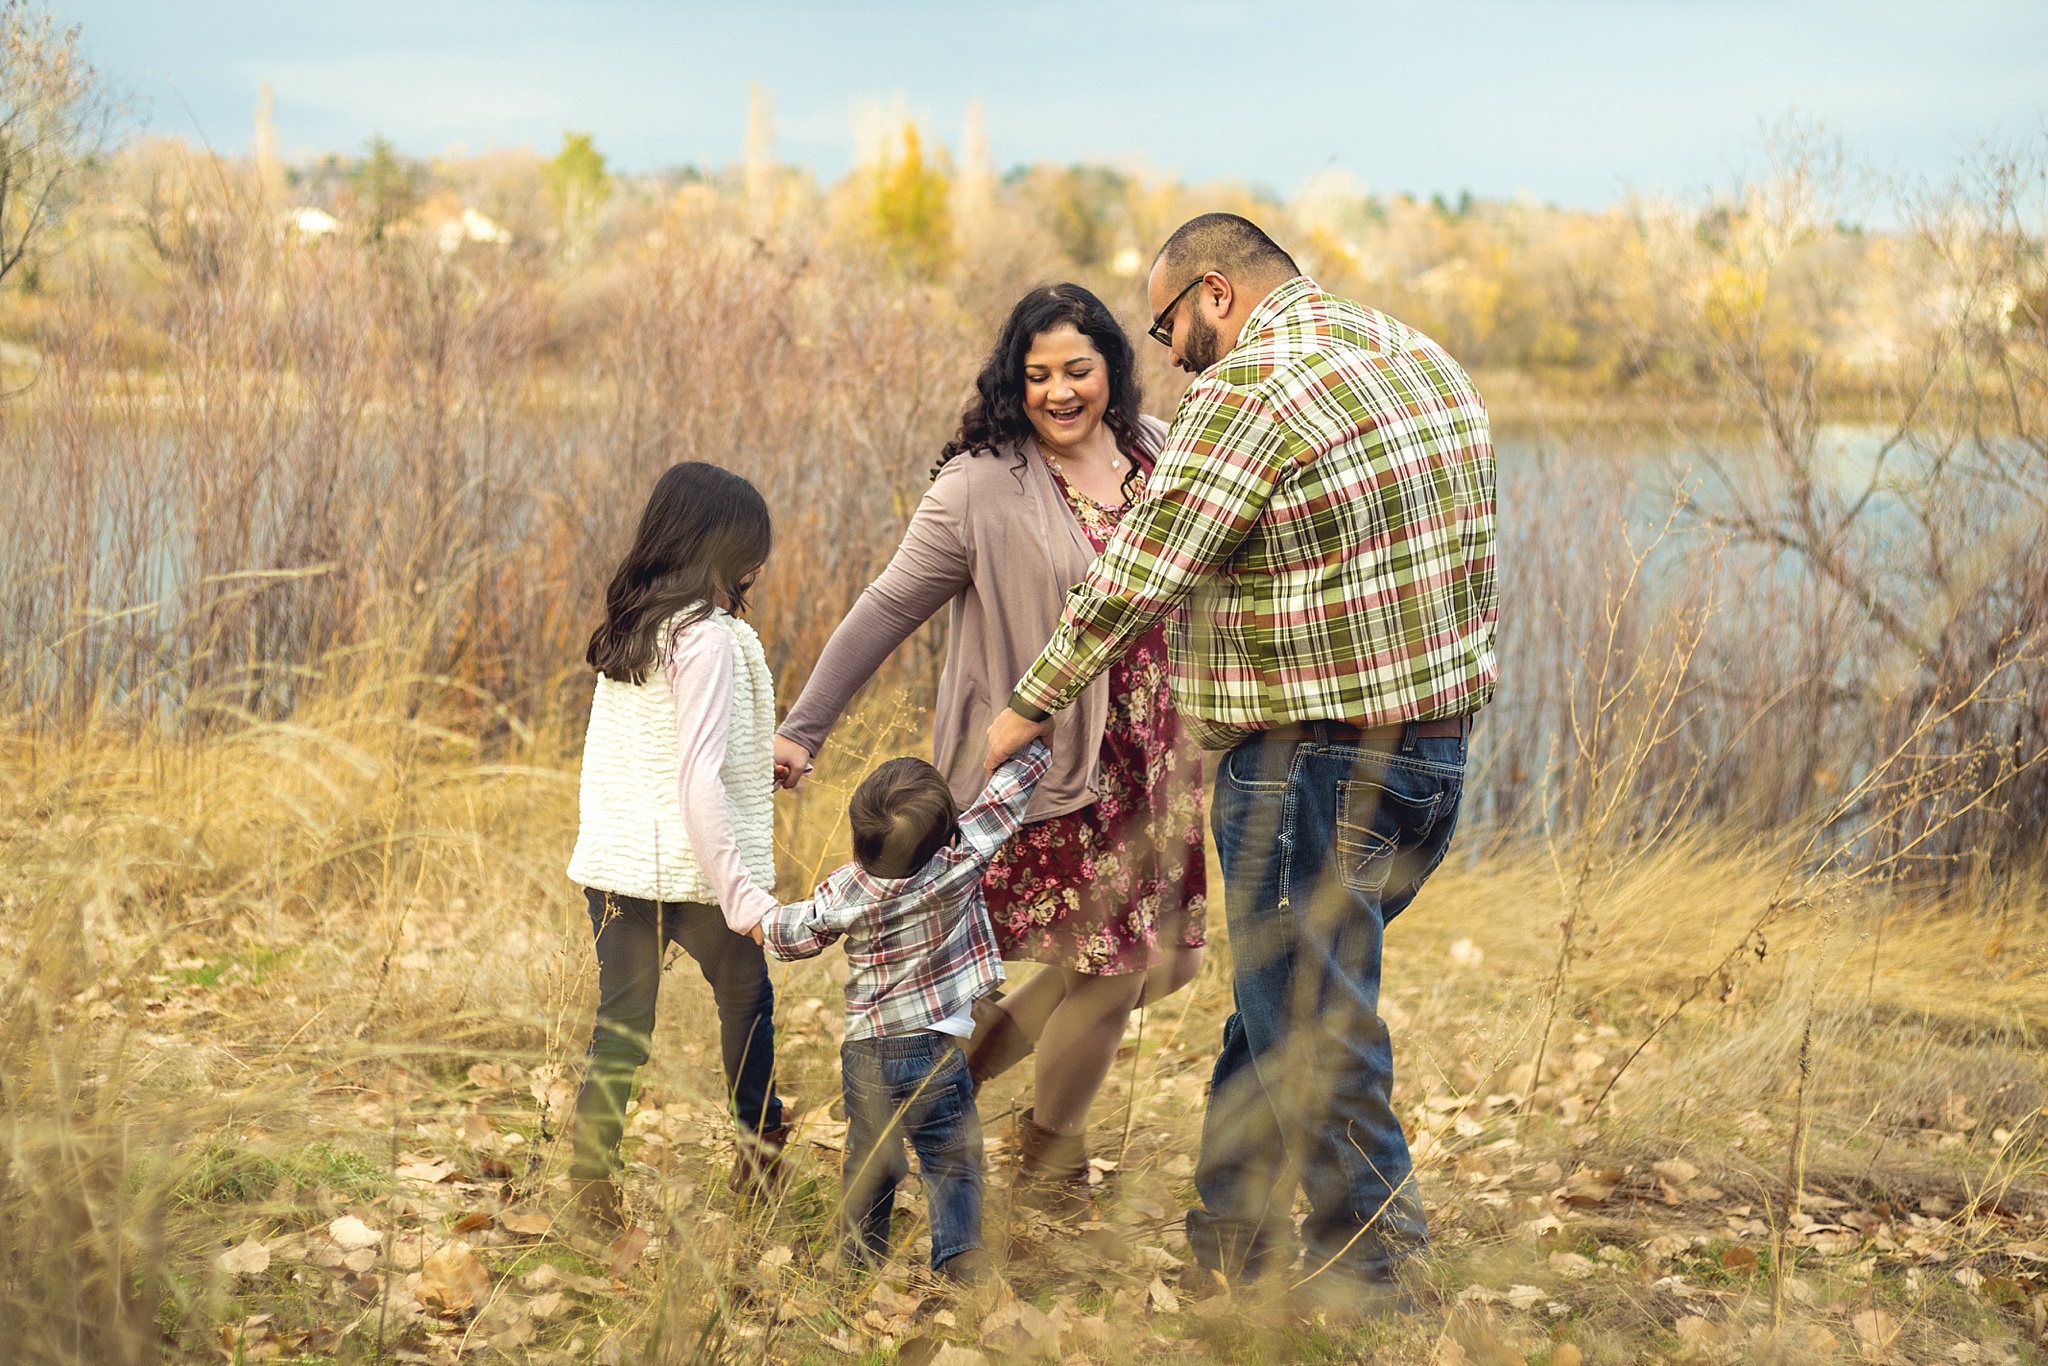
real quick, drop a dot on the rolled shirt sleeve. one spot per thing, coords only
(999, 812)
(1223, 457)
(802, 929)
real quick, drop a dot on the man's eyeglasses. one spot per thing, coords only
(1159, 331)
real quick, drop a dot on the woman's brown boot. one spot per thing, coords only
(757, 1170)
(997, 1044)
(1052, 1171)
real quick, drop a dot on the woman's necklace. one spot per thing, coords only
(1116, 461)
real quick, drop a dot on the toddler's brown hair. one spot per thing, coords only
(901, 815)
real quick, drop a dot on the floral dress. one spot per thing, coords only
(1099, 890)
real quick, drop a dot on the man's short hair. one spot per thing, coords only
(901, 815)
(1234, 247)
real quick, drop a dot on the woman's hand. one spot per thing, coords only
(792, 763)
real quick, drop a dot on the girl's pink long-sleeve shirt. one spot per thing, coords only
(699, 670)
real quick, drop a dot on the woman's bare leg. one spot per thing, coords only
(1032, 1004)
(1078, 1045)
(1176, 967)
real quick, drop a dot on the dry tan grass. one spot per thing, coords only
(258, 979)
(302, 544)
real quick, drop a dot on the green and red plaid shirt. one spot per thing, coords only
(1324, 509)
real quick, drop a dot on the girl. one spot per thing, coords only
(676, 837)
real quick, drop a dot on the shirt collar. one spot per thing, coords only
(1273, 305)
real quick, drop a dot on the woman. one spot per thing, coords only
(1106, 881)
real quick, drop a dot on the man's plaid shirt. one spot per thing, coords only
(919, 949)
(1324, 508)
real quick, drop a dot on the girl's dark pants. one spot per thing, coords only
(632, 936)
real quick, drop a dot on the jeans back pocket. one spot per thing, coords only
(1375, 820)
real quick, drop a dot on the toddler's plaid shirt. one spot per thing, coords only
(919, 949)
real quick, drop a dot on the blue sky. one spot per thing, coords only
(1569, 100)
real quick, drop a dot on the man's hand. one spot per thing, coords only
(1009, 733)
(792, 763)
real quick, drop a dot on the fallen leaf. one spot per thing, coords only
(471, 1222)
(1665, 1246)
(545, 1307)
(525, 1222)
(626, 1249)
(1566, 1354)
(351, 1232)
(1473, 1331)
(428, 1173)
(1695, 1331)
(952, 1354)
(771, 1264)
(1162, 1297)
(1875, 1331)
(361, 1260)
(512, 1336)
(1020, 1328)
(1588, 1186)
(487, 1076)
(892, 1301)
(1571, 1265)
(249, 1258)
(1677, 1171)
(1742, 1259)
(1524, 1296)
(452, 1280)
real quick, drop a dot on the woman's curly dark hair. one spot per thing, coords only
(995, 417)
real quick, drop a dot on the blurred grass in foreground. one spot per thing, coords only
(292, 1010)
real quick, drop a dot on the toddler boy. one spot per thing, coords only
(919, 951)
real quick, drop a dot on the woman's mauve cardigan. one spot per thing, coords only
(1001, 545)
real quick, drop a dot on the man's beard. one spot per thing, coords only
(1201, 350)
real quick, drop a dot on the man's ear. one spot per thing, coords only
(1218, 287)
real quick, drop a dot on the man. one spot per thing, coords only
(1324, 511)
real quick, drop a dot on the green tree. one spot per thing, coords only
(577, 183)
(54, 116)
(386, 184)
(1083, 206)
(910, 205)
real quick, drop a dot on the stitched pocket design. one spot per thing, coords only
(1373, 822)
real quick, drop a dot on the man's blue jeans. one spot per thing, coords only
(1322, 843)
(915, 1087)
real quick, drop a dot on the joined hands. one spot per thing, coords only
(1009, 733)
(792, 763)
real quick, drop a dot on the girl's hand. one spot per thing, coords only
(792, 763)
(755, 935)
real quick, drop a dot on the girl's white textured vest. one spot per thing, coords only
(630, 839)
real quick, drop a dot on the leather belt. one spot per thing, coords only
(1344, 733)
